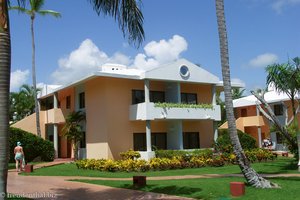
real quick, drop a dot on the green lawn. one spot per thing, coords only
(13, 165)
(212, 188)
(280, 165)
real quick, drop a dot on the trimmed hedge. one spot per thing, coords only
(33, 146)
(223, 143)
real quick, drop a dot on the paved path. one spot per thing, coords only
(58, 187)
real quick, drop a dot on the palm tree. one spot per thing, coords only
(22, 102)
(5, 61)
(237, 93)
(286, 78)
(252, 177)
(130, 19)
(72, 129)
(35, 8)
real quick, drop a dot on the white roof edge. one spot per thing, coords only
(95, 74)
(233, 84)
(270, 97)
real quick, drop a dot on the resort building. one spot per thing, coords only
(172, 106)
(251, 121)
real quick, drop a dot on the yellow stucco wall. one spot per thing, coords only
(29, 124)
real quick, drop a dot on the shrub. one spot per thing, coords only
(33, 146)
(223, 143)
(130, 155)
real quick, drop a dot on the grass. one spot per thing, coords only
(13, 165)
(280, 165)
(212, 188)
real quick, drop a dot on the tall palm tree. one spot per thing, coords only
(5, 61)
(252, 177)
(130, 19)
(72, 129)
(35, 8)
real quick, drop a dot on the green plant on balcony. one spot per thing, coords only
(182, 105)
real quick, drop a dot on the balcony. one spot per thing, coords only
(148, 111)
(53, 116)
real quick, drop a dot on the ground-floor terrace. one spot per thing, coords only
(143, 136)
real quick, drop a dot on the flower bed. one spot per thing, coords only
(191, 159)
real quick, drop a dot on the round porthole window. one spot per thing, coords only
(184, 71)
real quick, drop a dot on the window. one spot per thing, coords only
(278, 109)
(189, 98)
(81, 100)
(139, 141)
(184, 71)
(191, 140)
(138, 96)
(158, 140)
(47, 103)
(68, 102)
(157, 96)
(244, 112)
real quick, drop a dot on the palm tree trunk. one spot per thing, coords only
(249, 173)
(5, 58)
(37, 112)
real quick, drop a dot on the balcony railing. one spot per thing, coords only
(148, 111)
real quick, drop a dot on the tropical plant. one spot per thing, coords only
(35, 8)
(237, 93)
(252, 177)
(72, 130)
(22, 103)
(286, 79)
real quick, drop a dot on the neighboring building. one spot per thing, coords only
(121, 113)
(251, 121)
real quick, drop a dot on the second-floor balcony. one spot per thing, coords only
(152, 111)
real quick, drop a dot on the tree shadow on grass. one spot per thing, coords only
(170, 190)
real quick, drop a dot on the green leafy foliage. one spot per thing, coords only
(33, 146)
(182, 105)
(223, 143)
(130, 155)
(172, 160)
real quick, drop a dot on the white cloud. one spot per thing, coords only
(161, 52)
(238, 81)
(87, 58)
(263, 60)
(83, 61)
(18, 78)
(279, 5)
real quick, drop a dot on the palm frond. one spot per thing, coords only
(49, 12)
(128, 15)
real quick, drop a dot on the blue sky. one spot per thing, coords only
(260, 32)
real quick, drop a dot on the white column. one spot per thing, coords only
(147, 91)
(215, 127)
(55, 139)
(259, 137)
(258, 130)
(55, 127)
(148, 135)
(214, 100)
